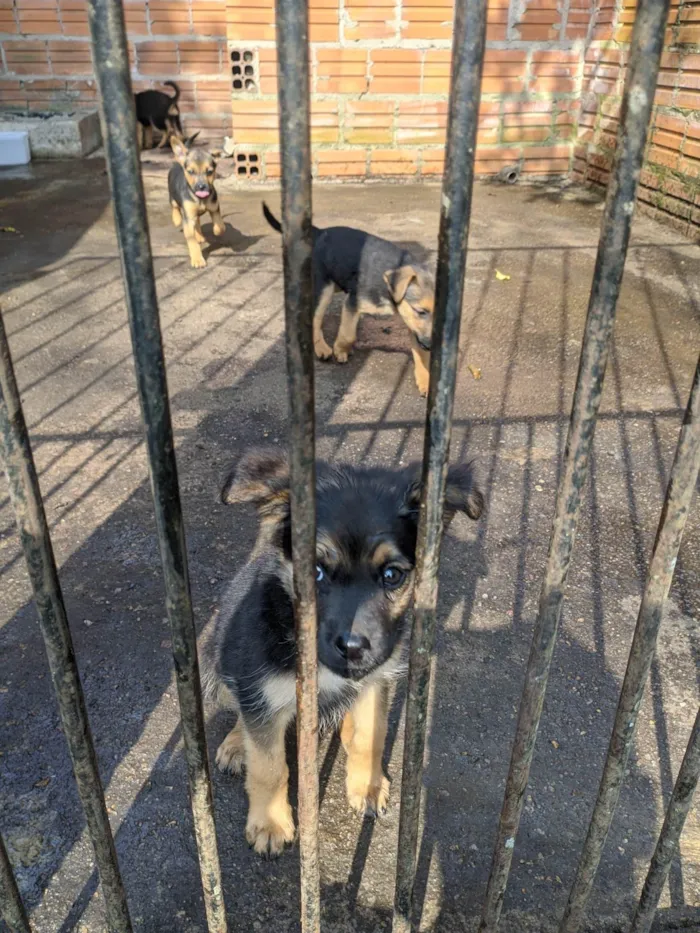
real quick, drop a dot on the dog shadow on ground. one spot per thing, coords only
(232, 240)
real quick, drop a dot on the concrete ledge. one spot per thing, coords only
(57, 135)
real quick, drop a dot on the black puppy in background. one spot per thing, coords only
(160, 110)
(367, 523)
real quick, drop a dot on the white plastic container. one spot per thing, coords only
(14, 148)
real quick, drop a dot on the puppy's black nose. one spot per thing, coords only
(352, 646)
(424, 342)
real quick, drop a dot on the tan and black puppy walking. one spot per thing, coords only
(378, 277)
(192, 193)
(367, 522)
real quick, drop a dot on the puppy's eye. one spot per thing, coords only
(320, 575)
(392, 577)
(421, 312)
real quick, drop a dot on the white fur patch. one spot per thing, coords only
(280, 690)
(330, 684)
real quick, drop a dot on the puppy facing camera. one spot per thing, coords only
(192, 194)
(367, 522)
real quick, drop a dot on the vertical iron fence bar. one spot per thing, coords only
(667, 846)
(647, 39)
(679, 494)
(111, 65)
(455, 210)
(25, 494)
(293, 71)
(11, 907)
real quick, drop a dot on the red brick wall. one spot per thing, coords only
(380, 81)
(379, 73)
(45, 56)
(670, 180)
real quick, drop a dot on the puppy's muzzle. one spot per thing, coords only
(424, 343)
(201, 190)
(352, 647)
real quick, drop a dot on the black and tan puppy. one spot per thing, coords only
(366, 542)
(160, 110)
(192, 193)
(378, 277)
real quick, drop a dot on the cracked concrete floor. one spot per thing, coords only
(64, 311)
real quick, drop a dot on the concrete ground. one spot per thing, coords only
(223, 327)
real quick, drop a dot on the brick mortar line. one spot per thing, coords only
(580, 71)
(568, 45)
(552, 141)
(516, 11)
(134, 39)
(671, 111)
(398, 9)
(425, 45)
(341, 22)
(418, 147)
(521, 96)
(589, 40)
(563, 26)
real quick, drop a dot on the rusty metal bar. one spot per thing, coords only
(647, 40)
(455, 210)
(16, 453)
(293, 74)
(667, 846)
(11, 907)
(111, 63)
(679, 494)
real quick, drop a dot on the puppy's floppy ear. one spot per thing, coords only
(398, 281)
(261, 477)
(179, 149)
(461, 493)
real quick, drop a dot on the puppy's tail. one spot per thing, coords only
(176, 88)
(271, 219)
(276, 225)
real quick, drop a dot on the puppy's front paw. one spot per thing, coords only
(198, 262)
(423, 384)
(268, 833)
(369, 797)
(323, 351)
(340, 353)
(230, 754)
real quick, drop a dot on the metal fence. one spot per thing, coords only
(112, 70)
